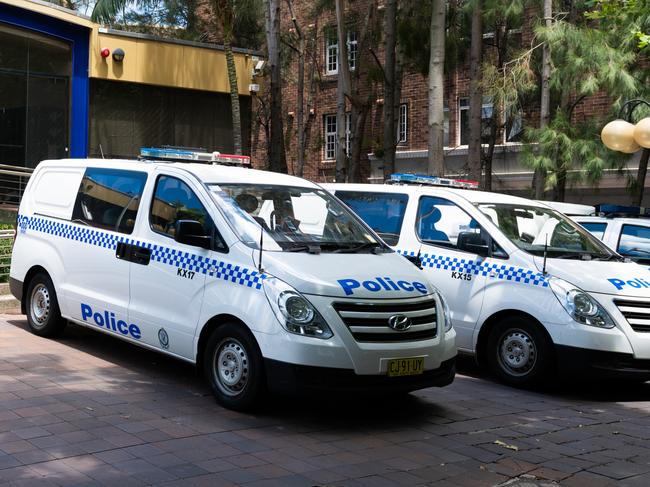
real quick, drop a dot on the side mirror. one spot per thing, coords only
(191, 232)
(473, 242)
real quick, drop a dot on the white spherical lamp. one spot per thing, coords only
(619, 135)
(642, 133)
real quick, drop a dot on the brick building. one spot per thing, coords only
(320, 115)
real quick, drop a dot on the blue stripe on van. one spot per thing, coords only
(468, 266)
(212, 267)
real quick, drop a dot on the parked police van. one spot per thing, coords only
(178, 257)
(529, 290)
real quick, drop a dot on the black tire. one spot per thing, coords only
(238, 381)
(42, 307)
(519, 353)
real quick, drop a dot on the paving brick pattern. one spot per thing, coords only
(87, 409)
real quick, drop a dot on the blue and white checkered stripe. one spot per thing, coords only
(468, 266)
(185, 260)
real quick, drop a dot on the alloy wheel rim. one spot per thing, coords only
(231, 367)
(517, 352)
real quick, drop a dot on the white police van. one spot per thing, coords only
(529, 290)
(175, 256)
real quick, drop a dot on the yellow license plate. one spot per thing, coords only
(405, 366)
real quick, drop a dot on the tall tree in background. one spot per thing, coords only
(436, 85)
(539, 178)
(474, 150)
(585, 60)
(225, 13)
(342, 89)
(390, 82)
(277, 154)
(631, 20)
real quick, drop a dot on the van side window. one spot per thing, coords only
(109, 199)
(635, 242)
(173, 200)
(597, 229)
(441, 222)
(383, 212)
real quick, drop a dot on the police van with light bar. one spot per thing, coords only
(530, 291)
(174, 253)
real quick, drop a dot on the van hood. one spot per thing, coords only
(620, 278)
(374, 276)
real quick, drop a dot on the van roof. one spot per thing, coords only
(472, 196)
(207, 173)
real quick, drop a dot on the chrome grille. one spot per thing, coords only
(637, 314)
(368, 322)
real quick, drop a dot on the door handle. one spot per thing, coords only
(140, 255)
(121, 250)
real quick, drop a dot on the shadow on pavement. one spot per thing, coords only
(574, 388)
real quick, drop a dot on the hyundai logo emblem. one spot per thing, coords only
(399, 322)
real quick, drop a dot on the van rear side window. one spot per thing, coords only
(109, 199)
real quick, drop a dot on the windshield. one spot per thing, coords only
(294, 219)
(531, 228)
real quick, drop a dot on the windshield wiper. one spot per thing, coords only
(375, 248)
(584, 256)
(312, 249)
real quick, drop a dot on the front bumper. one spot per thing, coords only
(600, 364)
(286, 378)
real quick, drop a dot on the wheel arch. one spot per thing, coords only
(490, 323)
(207, 330)
(35, 269)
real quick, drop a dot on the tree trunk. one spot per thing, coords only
(539, 178)
(637, 200)
(277, 155)
(390, 132)
(475, 93)
(234, 97)
(300, 97)
(436, 116)
(342, 89)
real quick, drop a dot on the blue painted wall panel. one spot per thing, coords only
(79, 38)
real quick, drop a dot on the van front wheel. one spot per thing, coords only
(43, 314)
(519, 353)
(233, 365)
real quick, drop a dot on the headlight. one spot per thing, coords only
(294, 312)
(581, 306)
(445, 311)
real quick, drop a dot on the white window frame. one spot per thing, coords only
(403, 124)
(331, 135)
(332, 52)
(353, 49)
(329, 122)
(486, 105)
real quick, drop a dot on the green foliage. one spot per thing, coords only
(631, 18)
(586, 59)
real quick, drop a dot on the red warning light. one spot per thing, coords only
(105, 52)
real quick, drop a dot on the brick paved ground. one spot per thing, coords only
(89, 410)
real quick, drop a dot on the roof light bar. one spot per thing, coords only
(404, 178)
(622, 211)
(185, 155)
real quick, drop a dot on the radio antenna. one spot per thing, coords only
(545, 252)
(261, 248)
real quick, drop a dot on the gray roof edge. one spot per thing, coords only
(204, 45)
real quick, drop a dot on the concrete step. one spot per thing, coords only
(4, 288)
(9, 304)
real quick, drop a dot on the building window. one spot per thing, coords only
(445, 125)
(352, 50)
(402, 124)
(332, 52)
(486, 116)
(330, 136)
